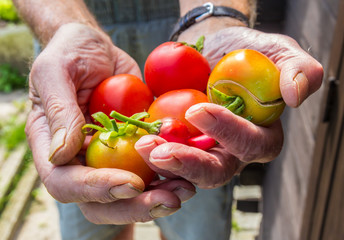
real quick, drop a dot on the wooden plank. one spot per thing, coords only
(329, 158)
(10, 168)
(2, 155)
(10, 218)
(247, 192)
(334, 218)
(323, 159)
(312, 24)
(291, 180)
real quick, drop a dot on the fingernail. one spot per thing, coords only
(200, 116)
(124, 191)
(57, 142)
(166, 162)
(184, 194)
(302, 87)
(144, 142)
(162, 211)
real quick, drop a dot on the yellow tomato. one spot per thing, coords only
(252, 76)
(119, 153)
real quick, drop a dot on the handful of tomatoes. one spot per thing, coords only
(176, 74)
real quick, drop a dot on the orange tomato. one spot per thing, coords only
(255, 78)
(122, 155)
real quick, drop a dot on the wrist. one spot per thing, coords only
(243, 6)
(52, 15)
(201, 17)
(207, 27)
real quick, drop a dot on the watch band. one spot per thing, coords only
(200, 13)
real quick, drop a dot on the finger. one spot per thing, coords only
(62, 69)
(205, 169)
(245, 140)
(182, 188)
(301, 74)
(65, 119)
(76, 183)
(144, 147)
(300, 77)
(146, 207)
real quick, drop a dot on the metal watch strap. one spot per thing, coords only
(199, 13)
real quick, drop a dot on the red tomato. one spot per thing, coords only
(174, 130)
(174, 104)
(173, 65)
(123, 93)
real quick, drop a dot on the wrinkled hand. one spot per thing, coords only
(61, 80)
(241, 142)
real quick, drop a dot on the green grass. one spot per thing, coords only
(26, 161)
(11, 79)
(12, 133)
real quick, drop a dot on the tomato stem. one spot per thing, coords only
(233, 103)
(151, 128)
(198, 46)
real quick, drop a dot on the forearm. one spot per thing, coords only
(214, 24)
(46, 16)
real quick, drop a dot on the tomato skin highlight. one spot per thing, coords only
(174, 104)
(174, 130)
(255, 78)
(122, 156)
(173, 65)
(203, 142)
(124, 93)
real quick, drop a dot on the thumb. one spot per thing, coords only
(57, 97)
(241, 138)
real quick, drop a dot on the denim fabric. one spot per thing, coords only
(206, 216)
(74, 226)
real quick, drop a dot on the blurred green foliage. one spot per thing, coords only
(8, 11)
(12, 127)
(12, 133)
(10, 78)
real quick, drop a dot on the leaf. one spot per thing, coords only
(141, 115)
(114, 125)
(200, 44)
(130, 130)
(92, 126)
(103, 119)
(108, 138)
(122, 129)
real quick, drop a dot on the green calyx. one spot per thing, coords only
(111, 129)
(128, 126)
(233, 103)
(198, 45)
(151, 128)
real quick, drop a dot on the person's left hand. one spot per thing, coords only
(240, 141)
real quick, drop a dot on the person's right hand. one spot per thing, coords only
(62, 78)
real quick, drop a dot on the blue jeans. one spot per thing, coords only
(204, 217)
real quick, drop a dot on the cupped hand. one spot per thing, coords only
(240, 141)
(62, 78)
(301, 74)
